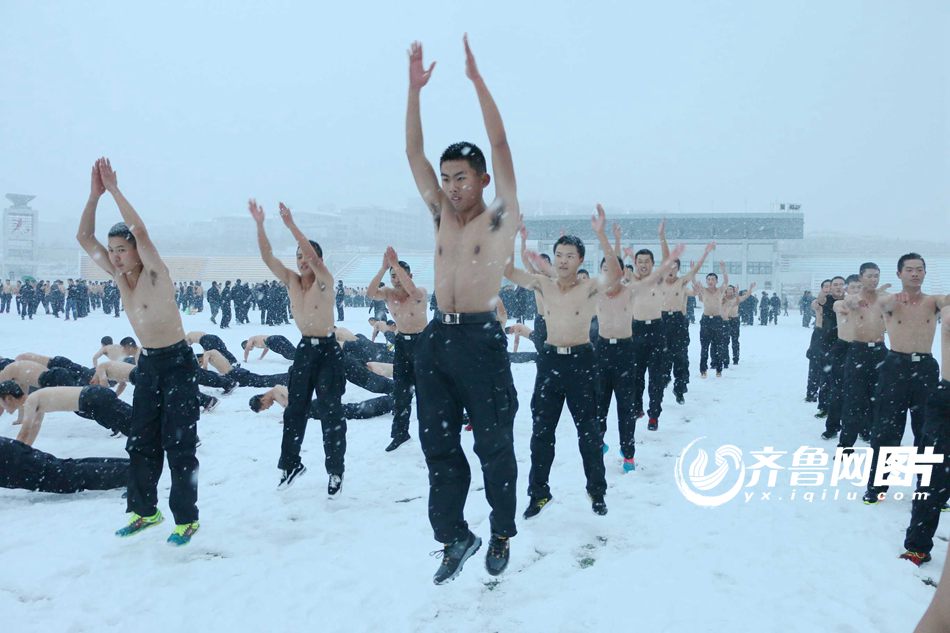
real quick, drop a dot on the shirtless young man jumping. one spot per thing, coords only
(731, 300)
(676, 292)
(318, 363)
(461, 356)
(909, 372)
(865, 355)
(165, 401)
(711, 328)
(407, 304)
(649, 340)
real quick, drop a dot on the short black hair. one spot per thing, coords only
(121, 229)
(128, 341)
(679, 265)
(852, 279)
(909, 256)
(10, 388)
(716, 276)
(243, 343)
(868, 266)
(546, 257)
(629, 267)
(583, 271)
(603, 260)
(826, 281)
(404, 266)
(570, 240)
(468, 152)
(837, 277)
(644, 251)
(255, 403)
(106, 340)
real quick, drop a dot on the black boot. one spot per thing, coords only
(496, 560)
(598, 505)
(454, 556)
(396, 443)
(535, 505)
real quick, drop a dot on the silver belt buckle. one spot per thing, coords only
(563, 350)
(450, 318)
(648, 322)
(914, 358)
(613, 341)
(144, 351)
(407, 337)
(872, 344)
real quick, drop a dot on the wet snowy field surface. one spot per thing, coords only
(296, 560)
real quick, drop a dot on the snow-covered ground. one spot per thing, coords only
(295, 561)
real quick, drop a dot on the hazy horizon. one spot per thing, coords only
(686, 107)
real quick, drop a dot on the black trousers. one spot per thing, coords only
(208, 378)
(245, 378)
(904, 384)
(83, 374)
(210, 341)
(317, 367)
(710, 342)
(614, 368)
(281, 345)
(834, 380)
(648, 344)
(24, 467)
(225, 314)
(59, 377)
(404, 383)
(676, 356)
(815, 355)
(466, 366)
(101, 405)
(359, 374)
(731, 335)
(539, 333)
(925, 513)
(567, 377)
(339, 310)
(165, 419)
(372, 408)
(859, 382)
(215, 306)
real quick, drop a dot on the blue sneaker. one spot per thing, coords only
(138, 523)
(629, 465)
(183, 533)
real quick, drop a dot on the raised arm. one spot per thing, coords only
(699, 264)
(86, 235)
(524, 250)
(748, 292)
(618, 247)
(422, 172)
(143, 243)
(267, 253)
(522, 278)
(373, 291)
(664, 247)
(307, 251)
(614, 272)
(502, 165)
(725, 275)
(407, 283)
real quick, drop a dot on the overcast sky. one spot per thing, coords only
(681, 106)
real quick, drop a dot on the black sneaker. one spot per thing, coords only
(829, 435)
(212, 405)
(680, 399)
(870, 498)
(496, 560)
(811, 399)
(598, 505)
(821, 414)
(454, 556)
(396, 443)
(535, 506)
(231, 387)
(335, 485)
(290, 476)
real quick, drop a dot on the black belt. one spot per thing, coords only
(161, 351)
(650, 322)
(614, 341)
(318, 340)
(867, 344)
(913, 356)
(408, 337)
(464, 318)
(558, 349)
